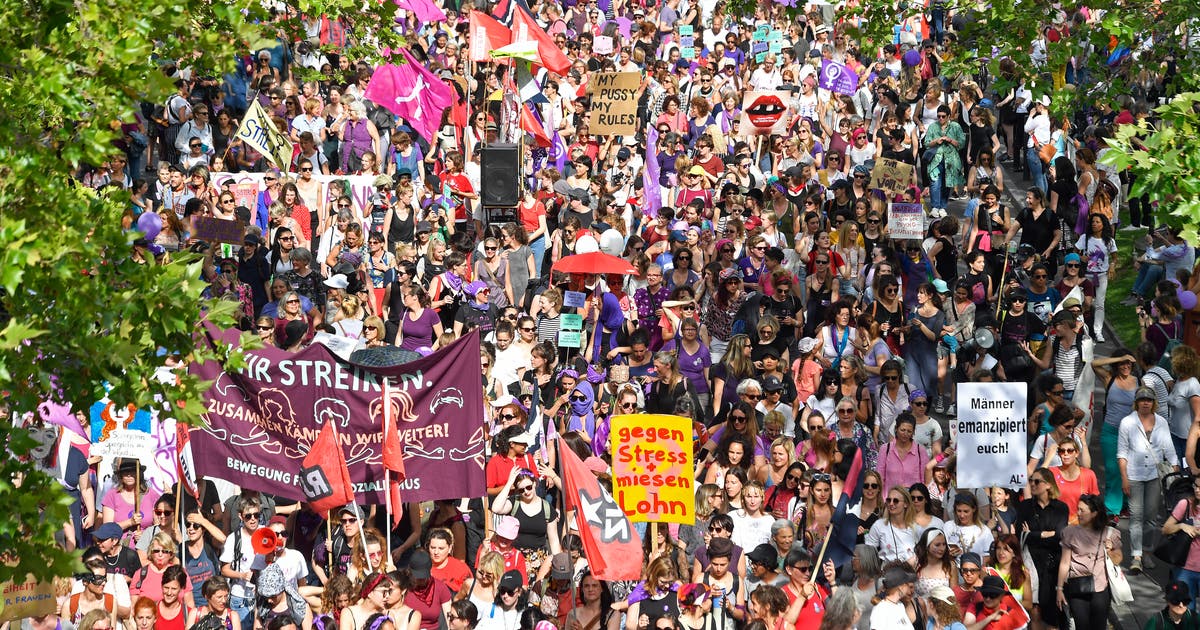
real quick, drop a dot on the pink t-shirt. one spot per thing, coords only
(1193, 557)
(151, 585)
(123, 510)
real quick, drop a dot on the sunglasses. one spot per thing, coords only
(795, 478)
(894, 501)
(870, 486)
(891, 378)
(845, 412)
(306, 170)
(162, 551)
(525, 488)
(753, 397)
(508, 416)
(93, 579)
(252, 516)
(629, 405)
(807, 568)
(163, 512)
(716, 529)
(266, 328)
(920, 403)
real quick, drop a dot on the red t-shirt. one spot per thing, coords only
(813, 610)
(498, 468)
(430, 608)
(530, 216)
(459, 183)
(514, 560)
(453, 574)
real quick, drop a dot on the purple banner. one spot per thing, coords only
(262, 420)
(838, 78)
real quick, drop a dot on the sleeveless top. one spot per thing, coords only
(178, 622)
(1118, 404)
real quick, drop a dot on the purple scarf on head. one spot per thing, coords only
(582, 418)
(611, 318)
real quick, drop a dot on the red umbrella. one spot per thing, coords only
(594, 262)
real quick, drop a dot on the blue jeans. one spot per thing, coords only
(938, 195)
(937, 24)
(244, 609)
(1145, 498)
(1192, 579)
(1148, 276)
(538, 245)
(1037, 170)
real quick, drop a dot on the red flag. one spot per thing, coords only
(324, 477)
(611, 544)
(393, 457)
(529, 122)
(185, 466)
(526, 29)
(486, 35)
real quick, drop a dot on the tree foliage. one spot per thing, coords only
(76, 311)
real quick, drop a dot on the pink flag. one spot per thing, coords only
(425, 10)
(411, 92)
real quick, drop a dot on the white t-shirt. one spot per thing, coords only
(888, 615)
(750, 532)
(291, 563)
(245, 561)
(893, 543)
(969, 537)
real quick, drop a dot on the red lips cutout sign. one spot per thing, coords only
(765, 112)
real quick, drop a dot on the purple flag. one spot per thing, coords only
(412, 92)
(652, 190)
(262, 420)
(836, 77)
(558, 151)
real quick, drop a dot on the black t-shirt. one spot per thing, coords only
(125, 562)
(947, 261)
(473, 318)
(1037, 231)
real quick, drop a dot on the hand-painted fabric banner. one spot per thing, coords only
(263, 420)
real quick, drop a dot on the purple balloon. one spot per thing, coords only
(1187, 299)
(156, 249)
(912, 58)
(149, 224)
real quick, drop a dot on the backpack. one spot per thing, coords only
(1102, 200)
(1164, 361)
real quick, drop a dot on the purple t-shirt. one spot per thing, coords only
(418, 332)
(692, 365)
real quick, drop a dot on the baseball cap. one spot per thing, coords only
(623, 153)
(772, 384)
(511, 581)
(560, 566)
(353, 510)
(1144, 393)
(764, 554)
(337, 281)
(420, 564)
(107, 531)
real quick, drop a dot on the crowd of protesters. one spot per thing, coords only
(770, 305)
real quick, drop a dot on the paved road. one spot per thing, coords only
(1147, 587)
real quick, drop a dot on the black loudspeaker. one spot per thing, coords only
(501, 175)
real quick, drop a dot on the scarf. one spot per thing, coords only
(608, 325)
(582, 410)
(452, 281)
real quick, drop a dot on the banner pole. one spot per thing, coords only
(137, 494)
(387, 474)
(329, 537)
(182, 525)
(1000, 289)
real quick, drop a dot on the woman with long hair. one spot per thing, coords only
(751, 525)
(965, 530)
(935, 565)
(736, 480)
(823, 289)
(784, 495)
(895, 535)
(670, 386)
(735, 450)
(1044, 518)
(720, 311)
(818, 451)
(925, 514)
(824, 402)
(660, 586)
(1082, 577)
(594, 610)
(815, 520)
(870, 507)
(369, 557)
(118, 504)
(665, 547)
(1008, 562)
(1098, 248)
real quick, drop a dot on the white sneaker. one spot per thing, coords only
(1099, 337)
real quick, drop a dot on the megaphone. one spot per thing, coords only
(264, 541)
(983, 338)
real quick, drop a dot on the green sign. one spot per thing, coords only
(572, 321)
(570, 339)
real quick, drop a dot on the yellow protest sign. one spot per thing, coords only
(258, 131)
(30, 598)
(891, 176)
(614, 103)
(653, 476)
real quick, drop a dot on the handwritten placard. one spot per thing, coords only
(602, 45)
(652, 468)
(574, 299)
(906, 221)
(30, 598)
(217, 230)
(614, 102)
(891, 176)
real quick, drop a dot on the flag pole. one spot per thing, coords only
(387, 473)
(182, 527)
(329, 537)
